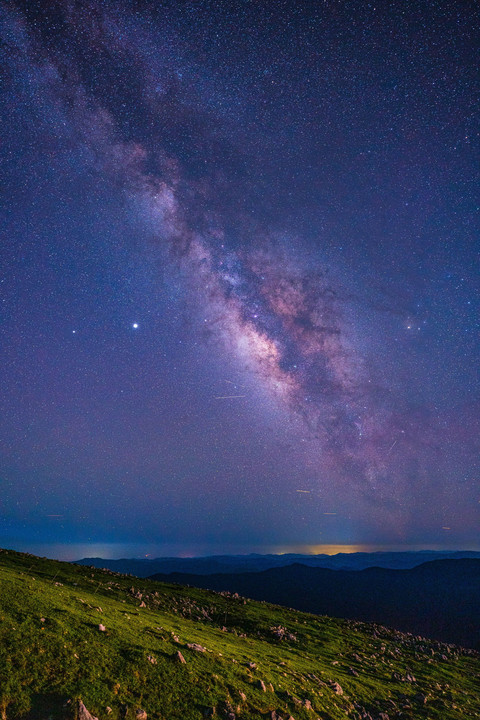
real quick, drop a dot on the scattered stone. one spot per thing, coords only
(179, 657)
(243, 696)
(196, 647)
(229, 712)
(142, 604)
(140, 714)
(152, 659)
(261, 686)
(42, 620)
(102, 628)
(336, 687)
(108, 710)
(353, 672)
(404, 678)
(83, 713)
(282, 633)
(252, 665)
(275, 716)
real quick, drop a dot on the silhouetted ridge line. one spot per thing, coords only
(438, 599)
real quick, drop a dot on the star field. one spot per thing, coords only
(239, 276)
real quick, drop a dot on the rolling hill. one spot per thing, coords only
(77, 642)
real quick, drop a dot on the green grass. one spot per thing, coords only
(52, 652)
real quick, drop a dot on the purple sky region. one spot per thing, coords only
(239, 276)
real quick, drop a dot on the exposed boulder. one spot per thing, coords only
(336, 687)
(196, 647)
(82, 712)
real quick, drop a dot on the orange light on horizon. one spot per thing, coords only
(334, 549)
(323, 549)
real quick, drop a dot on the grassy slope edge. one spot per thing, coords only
(52, 651)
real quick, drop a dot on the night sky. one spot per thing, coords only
(239, 276)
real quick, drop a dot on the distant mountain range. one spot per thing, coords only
(438, 599)
(256, 563)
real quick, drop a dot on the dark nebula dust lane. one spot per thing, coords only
(239, 261)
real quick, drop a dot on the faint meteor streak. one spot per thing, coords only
(228, 397)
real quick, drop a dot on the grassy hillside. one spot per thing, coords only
(243, 659)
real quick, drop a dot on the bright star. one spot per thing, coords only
(135, 326)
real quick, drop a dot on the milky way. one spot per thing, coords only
(289, 232)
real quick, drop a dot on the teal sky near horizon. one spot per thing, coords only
(239, 287)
